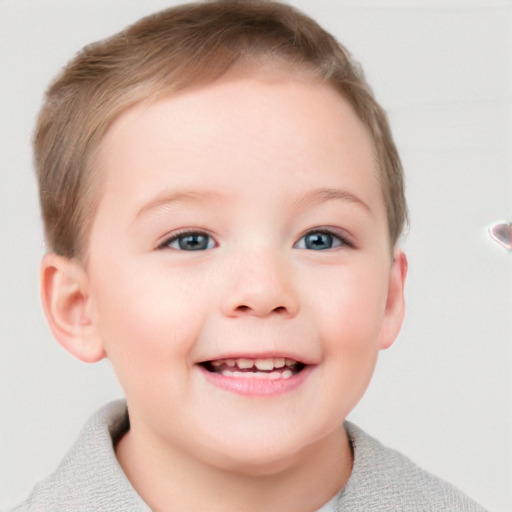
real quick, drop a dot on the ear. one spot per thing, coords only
(395, 303)
(66, 305)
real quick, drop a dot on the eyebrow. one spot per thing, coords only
(327, 194)
(186, 196)
(168, 198)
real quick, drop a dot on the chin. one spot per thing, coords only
(257, 464)
(262, 455)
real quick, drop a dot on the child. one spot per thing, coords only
(222, 200)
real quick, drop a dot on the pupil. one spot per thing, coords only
(319, 241)
(193, 242)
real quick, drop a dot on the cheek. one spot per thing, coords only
(352, 305)
(145, 317)
(352, 316)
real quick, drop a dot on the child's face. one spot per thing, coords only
(242, 221)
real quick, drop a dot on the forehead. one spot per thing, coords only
(275, 126)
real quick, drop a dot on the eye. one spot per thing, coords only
(319, 240)
(189, 241)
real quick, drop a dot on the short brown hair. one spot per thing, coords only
(168, 51)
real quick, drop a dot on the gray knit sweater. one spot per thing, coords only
(90, 478)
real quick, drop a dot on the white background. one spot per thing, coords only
(442, 394)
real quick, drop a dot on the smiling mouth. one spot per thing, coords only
(270, 368)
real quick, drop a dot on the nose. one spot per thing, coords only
(259, 285)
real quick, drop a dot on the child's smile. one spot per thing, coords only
(240, 271)
(256, 376)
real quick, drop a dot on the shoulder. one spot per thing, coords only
(383, 479)
(89, 477)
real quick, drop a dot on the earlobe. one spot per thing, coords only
(395, 303)
(65, 300)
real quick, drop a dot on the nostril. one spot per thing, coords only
(247, 309)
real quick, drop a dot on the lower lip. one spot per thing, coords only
(254, 386)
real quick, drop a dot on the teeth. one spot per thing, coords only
(244, 364)
(265, 365)
(259, 375)
(279, 362)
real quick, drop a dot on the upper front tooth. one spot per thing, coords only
(264, 364)
(279, 362)
(244, 363)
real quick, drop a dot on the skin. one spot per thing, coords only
(258, 165)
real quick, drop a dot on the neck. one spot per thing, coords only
(168, 479)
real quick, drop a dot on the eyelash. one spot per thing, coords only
(340, 240)
(337, 239)
(176, 237)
